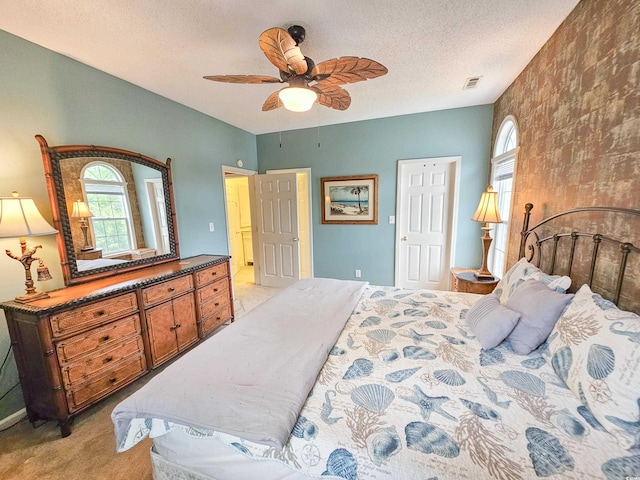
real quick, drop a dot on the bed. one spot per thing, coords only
(352, 381)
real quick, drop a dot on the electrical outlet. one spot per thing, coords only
(358, 273)
(392, 219)
(211, 227)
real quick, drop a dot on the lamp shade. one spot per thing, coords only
(297, 99)
(19, 217)
(81, 210)
(487, 211)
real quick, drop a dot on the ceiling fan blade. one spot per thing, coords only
(281, 50)
(272, 102)
(243, 78)
(338, 71)
(332, 96)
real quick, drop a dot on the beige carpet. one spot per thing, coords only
(89, 453)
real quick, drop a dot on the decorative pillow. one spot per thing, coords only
(490, 321)
(595, 349)
(523, 270)
(539, 307)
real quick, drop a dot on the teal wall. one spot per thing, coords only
(375, 146)
(67, 102)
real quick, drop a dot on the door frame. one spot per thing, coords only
(457, 163)
(246, 173)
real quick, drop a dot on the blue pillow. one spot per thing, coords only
(540, 308)
(490, 321)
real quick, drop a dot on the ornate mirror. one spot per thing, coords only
(113, 209)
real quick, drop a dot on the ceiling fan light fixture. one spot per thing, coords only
(297, 99)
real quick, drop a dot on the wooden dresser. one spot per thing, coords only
(87, 341)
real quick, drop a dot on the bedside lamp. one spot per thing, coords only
(19, 217)
(487, 212)
(81, 211)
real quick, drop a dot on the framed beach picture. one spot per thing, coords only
(350, 199)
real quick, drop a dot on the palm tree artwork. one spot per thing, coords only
(349, 200)
(357, 191)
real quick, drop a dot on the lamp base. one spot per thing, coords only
(31, 297)
(483, 272)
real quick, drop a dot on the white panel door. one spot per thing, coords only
(277, 229)
(424, 219)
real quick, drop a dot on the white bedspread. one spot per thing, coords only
(251, 379)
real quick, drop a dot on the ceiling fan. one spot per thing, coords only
(307, 81)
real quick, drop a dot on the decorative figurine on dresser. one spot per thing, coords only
(121, 313)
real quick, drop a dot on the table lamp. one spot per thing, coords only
(81, 211)
(19, 217)
(487, 212)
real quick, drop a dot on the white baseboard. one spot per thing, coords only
(12, 419)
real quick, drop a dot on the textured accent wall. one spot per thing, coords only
(577, 104)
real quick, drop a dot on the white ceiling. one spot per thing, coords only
(166, 46)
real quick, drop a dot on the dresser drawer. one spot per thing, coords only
(102, 385)
(97, 313)
(206, 293)
(166, 290)
(214, 303)
(213, 321)
(101, 361)
(211, 274)
(95, 340)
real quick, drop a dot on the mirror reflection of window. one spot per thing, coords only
(106, 194)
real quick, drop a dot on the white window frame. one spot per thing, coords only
(503, 162)
(125, 195)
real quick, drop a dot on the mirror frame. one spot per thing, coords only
(51, 157)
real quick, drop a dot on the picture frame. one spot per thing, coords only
(350, 200)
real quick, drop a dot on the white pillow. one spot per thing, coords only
(595, 349)
(523, 270)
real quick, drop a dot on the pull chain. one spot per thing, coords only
(318, 120)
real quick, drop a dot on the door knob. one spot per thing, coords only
(295, 239)
(404, 238)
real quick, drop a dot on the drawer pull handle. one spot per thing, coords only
(100, 313)
(105, 338)
(113, 380)
(217, 318)
(108, 359)
(216, 304)
(215, 289)
(171, 289)
(178, 325)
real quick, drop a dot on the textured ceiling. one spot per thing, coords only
(166, 46)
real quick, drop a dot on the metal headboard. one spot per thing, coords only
(531, 247)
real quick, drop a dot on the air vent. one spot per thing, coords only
(471, 82)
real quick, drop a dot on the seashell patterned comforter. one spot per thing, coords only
(407, 393)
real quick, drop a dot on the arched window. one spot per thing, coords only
(106, 194)
(503, 166)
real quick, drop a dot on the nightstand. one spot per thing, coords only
(464, 280)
